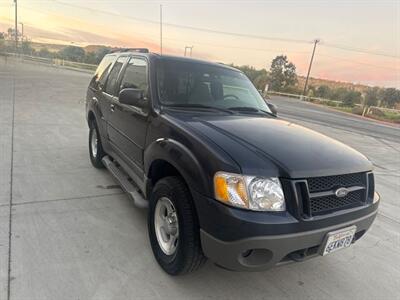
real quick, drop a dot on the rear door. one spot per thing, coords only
(128, 124)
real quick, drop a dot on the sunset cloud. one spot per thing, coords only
(73, 22)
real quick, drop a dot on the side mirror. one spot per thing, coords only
(132, 97)
(273, 108)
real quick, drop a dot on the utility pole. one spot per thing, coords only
(161, 29)
(22, 31)
(16, 26)
(316, 41)
(190, 52)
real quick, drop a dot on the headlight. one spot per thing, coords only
(249, 192)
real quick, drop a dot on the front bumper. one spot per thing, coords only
(245, 240)
(263, 252)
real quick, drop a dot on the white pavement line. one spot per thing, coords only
(11, 185)
(67, 199)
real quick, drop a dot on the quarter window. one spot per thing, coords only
(100, 75)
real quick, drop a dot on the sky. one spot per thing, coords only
(359, 40)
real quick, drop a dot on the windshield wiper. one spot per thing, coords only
(200, 106)
(249, 109)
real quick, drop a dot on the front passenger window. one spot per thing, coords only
(136, 75)
(113, 77)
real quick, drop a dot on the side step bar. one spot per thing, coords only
(123, 179)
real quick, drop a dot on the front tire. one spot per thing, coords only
(96, 151)
(173, 228)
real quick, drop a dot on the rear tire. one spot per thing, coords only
(179, 222)
(96, 151)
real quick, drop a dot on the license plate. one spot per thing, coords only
(339, 239)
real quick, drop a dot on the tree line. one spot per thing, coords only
(281, 76)
(71, 53)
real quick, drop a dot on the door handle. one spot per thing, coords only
(112, 107)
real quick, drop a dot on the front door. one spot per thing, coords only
(127, 125)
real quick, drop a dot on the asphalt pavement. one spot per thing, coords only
(67, 231)
(299, 110)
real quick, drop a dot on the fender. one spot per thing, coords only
(94, 108)
(181, 158)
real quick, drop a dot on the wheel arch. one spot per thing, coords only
(91, 117)
(167, 157)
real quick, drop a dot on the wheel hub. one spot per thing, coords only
(93, 143)
(166, 226)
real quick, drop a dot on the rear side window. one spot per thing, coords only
(100, 75)
(135, 75)
(113, 77)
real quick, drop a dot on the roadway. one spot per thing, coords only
(295, 109)
(68, 232)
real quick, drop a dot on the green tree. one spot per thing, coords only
(90, 58)
(371, 97)
(261, 80)
(282, 74)
(10, 33)
(323, 91)
(258, 77)
(351, 97)
(101, 52)
(72, 53)
(339, 94)
(27, 48)
(44, 52)
(2, 42)
(390, 97)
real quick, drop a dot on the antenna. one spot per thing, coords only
(161, 29)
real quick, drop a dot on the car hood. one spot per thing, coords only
(280, 146)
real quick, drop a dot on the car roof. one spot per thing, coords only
(176, 59)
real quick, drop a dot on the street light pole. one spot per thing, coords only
(316, 41)
(22, 31)
(161, 29)
(16, 26)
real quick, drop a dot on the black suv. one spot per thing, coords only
(223, 177)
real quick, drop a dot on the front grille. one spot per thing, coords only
(323, 205)
(321, 184)
(316, 195)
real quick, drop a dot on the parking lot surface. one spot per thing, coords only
(67, 231)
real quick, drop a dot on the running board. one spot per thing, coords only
(123, 179)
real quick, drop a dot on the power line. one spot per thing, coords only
(348, 48)
(276, 51)
(235, 47)
(299, 41)
(188, 27)
(359, 63)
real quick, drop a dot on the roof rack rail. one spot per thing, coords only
(141, 50)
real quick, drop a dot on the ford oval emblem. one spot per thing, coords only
(341, 192)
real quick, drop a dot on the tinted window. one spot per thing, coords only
(203, 84)
(113, 77)
(100, 75)
(135, 75)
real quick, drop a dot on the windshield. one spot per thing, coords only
(196, 84)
